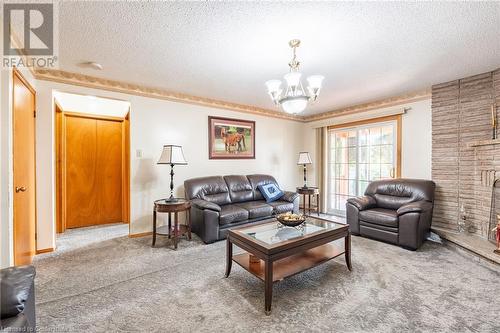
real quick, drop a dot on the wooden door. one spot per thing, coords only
(93, 151)
(109, 167)
(24, 192)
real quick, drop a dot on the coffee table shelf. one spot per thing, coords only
(294, 264)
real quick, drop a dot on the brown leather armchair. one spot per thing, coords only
(397, 211)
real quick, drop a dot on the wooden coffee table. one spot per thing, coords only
(274, 252)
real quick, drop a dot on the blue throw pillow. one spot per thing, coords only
(271, 192)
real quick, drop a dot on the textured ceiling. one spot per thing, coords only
(227, 50)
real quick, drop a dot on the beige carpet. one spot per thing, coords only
(102, 281)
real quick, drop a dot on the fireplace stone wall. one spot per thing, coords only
(465, 161)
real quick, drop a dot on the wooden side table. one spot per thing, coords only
(307, 192)
(164, 206)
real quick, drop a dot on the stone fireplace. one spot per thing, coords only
(465, 158)
(486, 171)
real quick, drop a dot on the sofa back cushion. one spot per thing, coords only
(256, 180)
(240, 189)
(394, 193)
(212, 189)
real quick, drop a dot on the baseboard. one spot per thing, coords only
(47, 250)
(142, 234)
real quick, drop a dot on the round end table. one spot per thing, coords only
(172, 207)
(309, 191)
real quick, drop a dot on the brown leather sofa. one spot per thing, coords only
(397, 211)
(221, 203)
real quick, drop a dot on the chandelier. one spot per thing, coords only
(294, 98)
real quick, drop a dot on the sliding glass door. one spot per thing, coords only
(358, 155)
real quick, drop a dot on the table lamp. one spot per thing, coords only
(304, 159)
(172, 155)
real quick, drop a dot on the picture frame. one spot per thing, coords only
(230, 138)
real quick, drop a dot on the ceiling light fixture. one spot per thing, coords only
(294, 99)
(91, 64)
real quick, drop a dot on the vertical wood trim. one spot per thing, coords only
(126, 169)
(58, 147)
(63, 172)
(399, 143)
(322, 160)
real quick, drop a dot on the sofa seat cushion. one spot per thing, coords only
(256, 209)
(232, 213)
(381, 216)
(281, 206)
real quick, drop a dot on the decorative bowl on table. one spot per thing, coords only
(291, 220)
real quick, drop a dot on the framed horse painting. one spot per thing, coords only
(230, 138)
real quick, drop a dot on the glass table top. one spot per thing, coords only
(167, 202)
(274, 232)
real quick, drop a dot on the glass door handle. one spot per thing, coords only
(392, 173)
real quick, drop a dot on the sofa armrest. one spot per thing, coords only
(414, 207)
(290, 196)
(203, 204)
(16, 287)
(363, 203)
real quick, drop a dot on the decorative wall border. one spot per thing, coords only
(383, 103)
(139, 90)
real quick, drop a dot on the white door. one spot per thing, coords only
(358, 155)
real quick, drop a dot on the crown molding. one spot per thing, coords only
(139, 90)
(382, 103)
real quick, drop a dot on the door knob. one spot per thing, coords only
(20, 189)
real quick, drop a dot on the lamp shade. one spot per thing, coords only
(304, 158)
(172, 154)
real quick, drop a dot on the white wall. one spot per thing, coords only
(416, 151)
(6, 230)
(153, 123)
(416, 147)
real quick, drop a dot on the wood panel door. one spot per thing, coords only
(109, 167)
(24, 192)
(93, 152)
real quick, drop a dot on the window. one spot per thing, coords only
(358, 154)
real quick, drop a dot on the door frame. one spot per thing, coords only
(397, 119)
(60, 144)
(399, 137)
(25, 82)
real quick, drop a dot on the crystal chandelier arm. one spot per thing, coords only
(274, 90)
(315, 83)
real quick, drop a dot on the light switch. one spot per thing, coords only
(138, 153)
